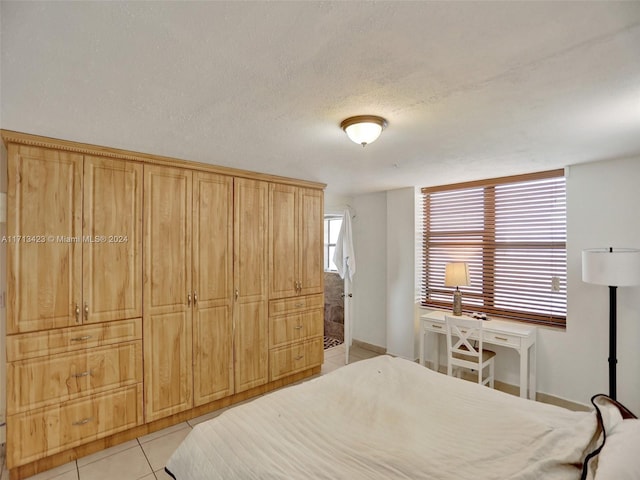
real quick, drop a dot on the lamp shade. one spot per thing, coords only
(456, 274)
(616, 267)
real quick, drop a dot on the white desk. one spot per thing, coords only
(519, 336)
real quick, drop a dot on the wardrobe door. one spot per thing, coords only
(168, 298)
(310, 235)
(212, 287)
(250, 280)
(44, 235)
(283, 241)
(112, 245)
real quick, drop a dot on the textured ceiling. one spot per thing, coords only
(470, 89)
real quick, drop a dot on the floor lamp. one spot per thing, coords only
(613, 267)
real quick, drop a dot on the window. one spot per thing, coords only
(512, 233)
(332, 224)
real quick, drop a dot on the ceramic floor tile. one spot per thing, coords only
(57, 473)
(159, 450)
(106, 453)
(151, 476)
(161, 433)
(130, 464)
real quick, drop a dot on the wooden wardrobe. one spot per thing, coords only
(143, 291)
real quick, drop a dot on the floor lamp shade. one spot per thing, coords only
(614, 267)
(618, 267)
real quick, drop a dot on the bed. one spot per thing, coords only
(388, 418)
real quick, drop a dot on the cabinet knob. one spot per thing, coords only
(237, 294)
(77, 313)
(188, 299)
(86, 312)
(195, 298)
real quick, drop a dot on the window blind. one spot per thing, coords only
(512, 233)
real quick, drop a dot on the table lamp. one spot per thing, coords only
(456, 274)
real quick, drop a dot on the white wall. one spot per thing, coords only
(400, 319)
(369, 281)
(603, 210)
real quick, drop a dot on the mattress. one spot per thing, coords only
(388, 418)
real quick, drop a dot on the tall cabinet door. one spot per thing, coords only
(112, 245)
(44, 250)
(311, 241)
(212, 287)
(250, 280)
(283, 241)
(167, 312)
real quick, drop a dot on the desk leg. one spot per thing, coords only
(422, 334)
(524, 371)
(436, 351)
(532, 373)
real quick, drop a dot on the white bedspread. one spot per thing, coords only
(387, 418)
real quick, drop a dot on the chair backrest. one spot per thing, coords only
(462, 336)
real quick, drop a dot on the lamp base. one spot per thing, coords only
(457, 303)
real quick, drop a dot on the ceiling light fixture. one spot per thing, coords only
(363, 129)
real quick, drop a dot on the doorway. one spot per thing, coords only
(333, 286)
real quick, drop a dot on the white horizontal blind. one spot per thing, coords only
(512, 233)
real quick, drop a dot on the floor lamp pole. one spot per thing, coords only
(612, 342)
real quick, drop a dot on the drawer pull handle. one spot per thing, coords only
(437, 326)
(81, 339)
(502, 338)
(298, 327)
(84, 421)
(299, 357)
(299, 305)
(88, 373)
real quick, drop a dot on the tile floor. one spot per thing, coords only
(144, 457)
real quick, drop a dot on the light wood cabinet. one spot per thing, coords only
(44, 216)
(112, 240)
(295, 241)
(59, 273)
(167, 317)
(47, 431)
(295, 334)
(188, 341)
(212, 287)
(250, 280)
(71, 385)
(143, 288)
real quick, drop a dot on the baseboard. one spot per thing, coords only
(540, 397)
(369, 346)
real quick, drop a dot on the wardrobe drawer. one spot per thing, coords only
(43, 381)
(50, 342)
(296, 304)
(295, 358)
(290, 328)
(46, 431)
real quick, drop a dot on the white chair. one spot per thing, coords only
(464, 348)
